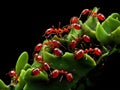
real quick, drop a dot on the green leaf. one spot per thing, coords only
(89, 61)
(21, 80)
(27, 65)
(111, 23)
(115, 35)
(22, 60)
(101, 35)
(3, 86)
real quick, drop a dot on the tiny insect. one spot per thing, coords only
(56, 31)
(100, 16)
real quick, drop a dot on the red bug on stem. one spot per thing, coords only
(74, 42)
(79, 54)
(86, 38)
(55, 73)
(58, 52)
(53, 44)
(100, 16)
(74, 19)
(57, 31)
(95, 51)
(69, 77)
(38, 47)
(12, 73)
(45, 66)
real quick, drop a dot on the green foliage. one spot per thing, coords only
(22, 60)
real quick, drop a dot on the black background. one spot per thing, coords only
(24, 23)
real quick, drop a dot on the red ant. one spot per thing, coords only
(55, 73)
(37, 70)
(54, 44)
(58, 31)
(95, 51)
(76, 19)
(12, 73)
(58, 52)
(14, 77)
(80, 53)
(37, 49)
(75, 41)
(100, 16)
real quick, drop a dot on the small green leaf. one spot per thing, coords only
(115, 35)
(3, 86)
(27, 65)
(89, 61)
(101, 35)
(88, 30)
(21, 80)
(22, 60)
(111, 23)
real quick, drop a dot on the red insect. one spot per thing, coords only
(79, 54)
(38, 58)
(76, 26)
(12, 73)
(57, 31)
(14, 76)
(38, 47)
(74, 42)
(58, 52)
(62, 72)
(55, 73)
(53, 44)
(90, 51)
(45, 66)
(97, 51)
(100, 16)
(35, 71)
(74, 20)
(86, 38)
(85, 11)
(69, 77)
